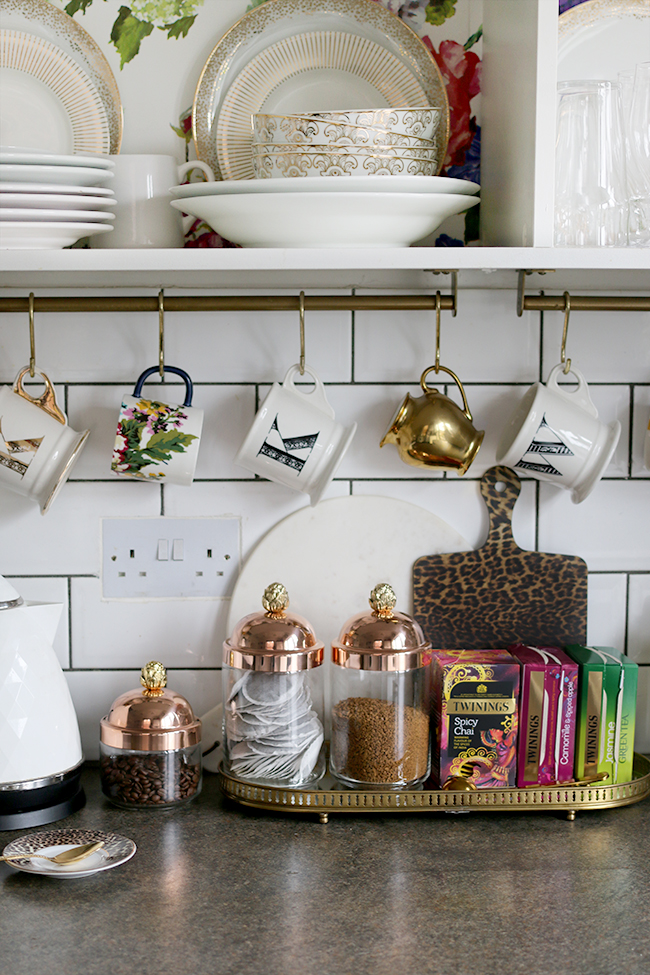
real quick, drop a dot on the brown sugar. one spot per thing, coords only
(378, 741)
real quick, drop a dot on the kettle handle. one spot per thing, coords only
(47, 401)
(428, 389)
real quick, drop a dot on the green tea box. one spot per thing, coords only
(606, 712)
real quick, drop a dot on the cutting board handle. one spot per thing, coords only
(500, 503)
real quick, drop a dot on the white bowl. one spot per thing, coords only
(312, 219)
(327, 184)
(283, 130)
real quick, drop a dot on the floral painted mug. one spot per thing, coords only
(157, 441)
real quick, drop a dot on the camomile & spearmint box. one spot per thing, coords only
(606, 713)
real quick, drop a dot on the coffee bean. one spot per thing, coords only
(156, 778)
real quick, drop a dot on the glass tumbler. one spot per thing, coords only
(638, 140)
(591, 194)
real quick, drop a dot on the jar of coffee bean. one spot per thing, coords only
(380, 698)
(150, 746)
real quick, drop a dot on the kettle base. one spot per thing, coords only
(23, 808)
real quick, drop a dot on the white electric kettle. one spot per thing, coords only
(40, 747)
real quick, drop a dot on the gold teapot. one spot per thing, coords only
(431, 431)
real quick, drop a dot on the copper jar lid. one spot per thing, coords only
(383, 640)
(274, 641)
(152, 719)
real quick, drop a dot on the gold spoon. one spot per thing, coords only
(68, 856)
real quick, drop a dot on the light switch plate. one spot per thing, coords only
(167, 558)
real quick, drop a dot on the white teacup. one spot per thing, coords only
(555, 435)
(295, 439)
(155, 440)
(144, 216)
(37, 447)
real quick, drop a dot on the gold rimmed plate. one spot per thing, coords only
(116, 850)
(36, 29)
(289, 56)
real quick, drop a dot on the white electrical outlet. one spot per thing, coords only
(169, 557)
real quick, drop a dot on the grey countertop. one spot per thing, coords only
(216, 889)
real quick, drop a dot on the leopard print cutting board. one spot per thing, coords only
(500, 594)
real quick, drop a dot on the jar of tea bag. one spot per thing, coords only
(380, 698)
(273, 697)
(150, 746)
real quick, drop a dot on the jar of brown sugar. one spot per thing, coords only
(150, 746)
(380, 698)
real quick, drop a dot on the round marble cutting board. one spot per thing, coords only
(331, 556)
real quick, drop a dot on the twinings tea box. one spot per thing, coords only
(475, 709)
(606, 712)
(547, 714)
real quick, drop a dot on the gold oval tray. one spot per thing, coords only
(323, 800)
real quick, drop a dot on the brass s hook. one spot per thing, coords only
(302, 333)
(161, 333)
(438, 307)
(565, 330)
(32, 343)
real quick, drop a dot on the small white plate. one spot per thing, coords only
(329, 184)
(54, 201)
(41, 235)
(31, 158)
(85, 175)
(9, 187)
(30, 214)
(599, 38)
(116, 850)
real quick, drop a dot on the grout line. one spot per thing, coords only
(541, 343)
(69, 588)
(630, 433)
(627, 614)
(352, 343)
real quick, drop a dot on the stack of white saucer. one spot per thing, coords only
(49, 201)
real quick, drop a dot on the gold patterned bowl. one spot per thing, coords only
(283, 130)
(401, 152)
(272, 165)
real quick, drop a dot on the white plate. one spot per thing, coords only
(29, 214)
(116, 850)
(41, 235)
(54, 201)
(44, 20)
(13, 156)
(326, 219)
(329, 184)
(36, 188)
(599, 38)
(309, 55)
(360, 542)
(86, 175)
(48, 100)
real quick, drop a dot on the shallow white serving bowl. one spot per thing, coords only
(328, 184)
(311, 219)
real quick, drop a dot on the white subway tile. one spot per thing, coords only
(640, 430)
(642, 733)
(186, 633)
(67, 539)
(607, 347)
(486, 342)
(260, 504)
(49, 591)
(607, 596)
(229, 412)
(93, 692)
(460, 504)
(610, 529)
(638, 639)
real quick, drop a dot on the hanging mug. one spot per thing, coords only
(431, 431)
(155, 440)
(37, 447)
(295, 439)
(555, 435)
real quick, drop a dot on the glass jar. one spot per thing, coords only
(150, 746)
(380, 698)
(273, 697)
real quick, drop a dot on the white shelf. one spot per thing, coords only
(579, 270)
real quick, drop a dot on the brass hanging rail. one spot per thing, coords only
(126, 303)
(587, 303)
